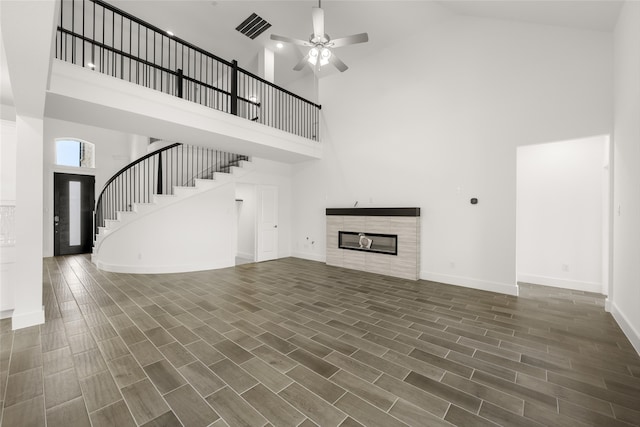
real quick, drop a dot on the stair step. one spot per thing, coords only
(111, 223)
(222, 177)
(125, 215)
(161, 199)
(142, 207)
(206, 183)
(237, 171)
(101, 234)
(184, 191)
(246, 164)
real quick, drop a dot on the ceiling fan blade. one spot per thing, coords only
(300, 65)
(338, 63)
(353, 39)
(317, 15)
(290, 40)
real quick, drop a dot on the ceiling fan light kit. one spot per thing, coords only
(315, 53)
(320, 44)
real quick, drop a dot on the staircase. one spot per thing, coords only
(147, 191)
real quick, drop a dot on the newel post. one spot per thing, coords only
(159, 183)
(179, 83)
(234, 88)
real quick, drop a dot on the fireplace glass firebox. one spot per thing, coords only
(368, 242)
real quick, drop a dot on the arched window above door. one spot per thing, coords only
(75, 153)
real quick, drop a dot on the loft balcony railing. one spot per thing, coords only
(99, 36)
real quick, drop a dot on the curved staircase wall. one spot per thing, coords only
(201, 238)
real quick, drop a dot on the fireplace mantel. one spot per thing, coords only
(401, 223)
(411, 212)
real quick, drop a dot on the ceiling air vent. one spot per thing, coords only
(253, 26)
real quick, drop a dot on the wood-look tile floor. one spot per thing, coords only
(297, 343)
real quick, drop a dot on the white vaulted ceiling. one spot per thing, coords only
(587, 15)
(211, 24)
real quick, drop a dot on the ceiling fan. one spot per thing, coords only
(321, 44)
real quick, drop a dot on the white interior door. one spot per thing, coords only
(267, 230)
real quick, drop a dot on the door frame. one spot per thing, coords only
(259, 199)
(74, 172)
(606, 286)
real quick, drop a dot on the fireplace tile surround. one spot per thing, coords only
(403, 222)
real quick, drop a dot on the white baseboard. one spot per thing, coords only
(162, 269)
(24, 320)
(310, 256)
(5, 314)
(561, 283)
(632, 334)
(469, 282)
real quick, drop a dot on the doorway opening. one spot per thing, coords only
(73, 206)
(246, 220)
(562, 214)
(257, 223)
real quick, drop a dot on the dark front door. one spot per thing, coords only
(73, 213)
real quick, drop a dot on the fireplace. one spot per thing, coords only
(376, 240)
(368, 242)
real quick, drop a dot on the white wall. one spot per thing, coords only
(8, 149)
(559, 216)
(139, 146)
(8, 158)
(194, 234)
(29, 78)
(112, 152)
(625, 291)
(246, 211)
(199, 232)
(436, 119)
(306, 86)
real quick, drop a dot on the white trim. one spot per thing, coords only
(162, 269)
(72, 170)
(24, 320)
(310, 256)
(5, 314)
(561, 283)
(632, 334)
(469, 282)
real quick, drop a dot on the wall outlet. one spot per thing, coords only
(452, 264)
(565, 267)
